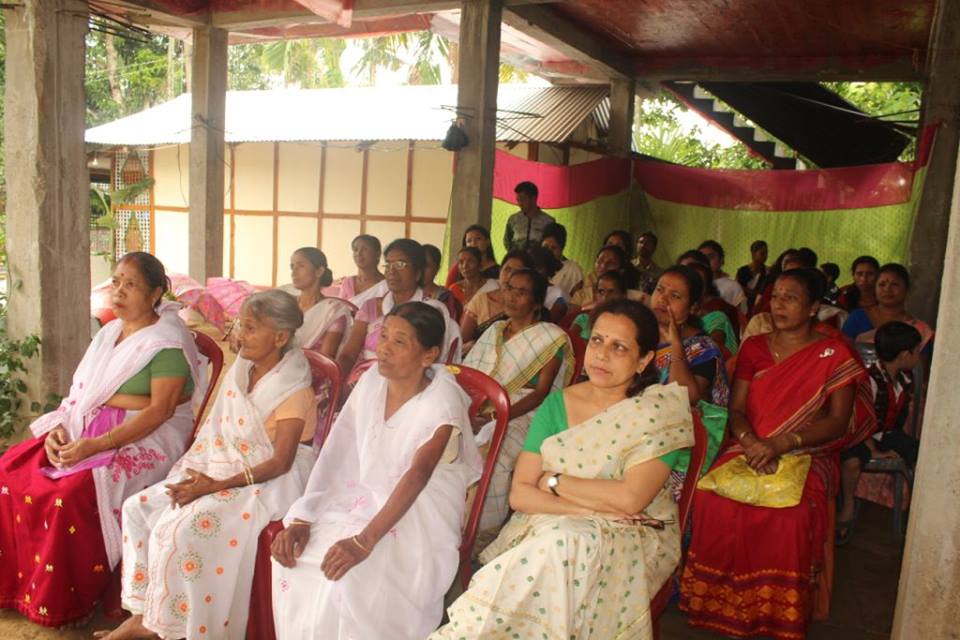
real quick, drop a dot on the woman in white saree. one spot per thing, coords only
(189, 543)
(370, 549)
(594, 532)
(325, 320)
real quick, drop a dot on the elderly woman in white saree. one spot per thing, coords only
(370, 549)
(594, 532)
(326, 321)
(127, 418)
(530, 359)
(189, 543)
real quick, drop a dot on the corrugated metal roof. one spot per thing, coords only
(542, 114)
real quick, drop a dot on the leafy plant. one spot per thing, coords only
(102, 202)
(14, 356)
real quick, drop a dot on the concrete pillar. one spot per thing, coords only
(208, 101)
(941, 103)
(479, 65)
(622, 99)
(48, 204)
(929, 593)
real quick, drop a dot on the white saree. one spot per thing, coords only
(104, 368)
(319, 318)
(188, 570)
(396, 592)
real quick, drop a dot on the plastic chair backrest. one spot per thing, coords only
(579, 352)
(357, 371)
(482, 389)
(208, 348)
(326, 386)
(567, 321)
(697, 458)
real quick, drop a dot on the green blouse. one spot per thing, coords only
(167, 363)
(551, 419)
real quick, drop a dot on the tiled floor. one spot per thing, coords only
(863, 600)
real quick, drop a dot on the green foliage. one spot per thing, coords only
(102, 202)
(307, 64)
(659, 133)
(14, 356)
(897, 102)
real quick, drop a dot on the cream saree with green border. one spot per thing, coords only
(553, 577)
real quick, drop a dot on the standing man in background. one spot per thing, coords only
(525, 227)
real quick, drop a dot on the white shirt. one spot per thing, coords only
(569, 276)
(731, 291)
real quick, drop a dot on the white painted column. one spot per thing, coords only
(928, 599)
(479, 65)
(208, 100)
(48, 204)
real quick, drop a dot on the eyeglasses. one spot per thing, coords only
(517, 290)
(396, 265)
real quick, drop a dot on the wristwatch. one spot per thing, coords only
(552, 483)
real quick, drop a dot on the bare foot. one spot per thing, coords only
(131, 629)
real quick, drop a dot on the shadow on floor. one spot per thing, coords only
(864, 590)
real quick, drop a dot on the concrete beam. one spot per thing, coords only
(941, 104)
(552, 29)
(772, 69)
(472, 196)
(362, 10)
(622, 100)
(208, 95)
(153, 14)
(48, 204)
(929, 589)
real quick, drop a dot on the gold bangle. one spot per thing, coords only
(299, 523)
(798, 440)
(357, 542)
(113, 445)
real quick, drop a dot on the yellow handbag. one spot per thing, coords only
(737, 481)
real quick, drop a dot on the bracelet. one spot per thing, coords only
(248, 475)
(798, 440)
(357, 542)
(113, 445)
(742, 435)
(298, 523)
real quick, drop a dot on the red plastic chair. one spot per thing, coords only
(579, 352)
(658, 604)
(207, 347)
(104, 315)
(567, 321)
(324, 371)
(482, 389)
(260, 623)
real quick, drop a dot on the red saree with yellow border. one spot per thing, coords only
(753, 570)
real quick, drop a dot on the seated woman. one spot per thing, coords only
(431, 290)
(189, 542)
(372, 546)
(368, 283)
(795, 393)
(610, 286)
(609, 258)
(486, 308)
(471, 282)
(477, 236)
(716, 324)
(892, 287)
(325, 320)
(593, 471)
(127, 418)
(690, 357)
(405, 260)
(530, 358)
(862, 292)
(570, 275)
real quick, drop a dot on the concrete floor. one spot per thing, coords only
(864, 595)
(864, 592)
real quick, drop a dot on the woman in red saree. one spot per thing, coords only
(755, 570)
